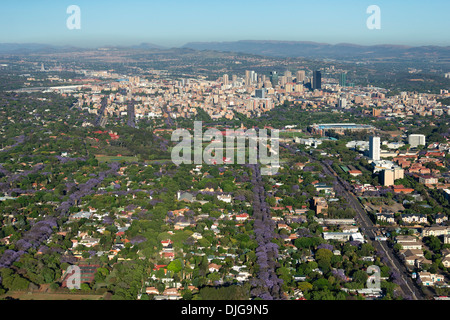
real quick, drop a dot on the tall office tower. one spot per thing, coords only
(274, 78)
(234, 78)
(283, 80)
(247, 77)
(415, 140)
(317, 80)
(300, 76)
(254, 77)
(288, 75)
(343, 79)
(225, 79)
(374, 148)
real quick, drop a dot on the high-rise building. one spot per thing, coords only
(300, 76)
(374, 148)
(253, 77)
(342, 103)
(248, 77)
(288, 75)
(317, 80)
(274, 78)
(343, 79)
(415, 140)
(225, 79)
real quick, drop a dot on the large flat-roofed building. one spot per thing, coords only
(339, 128)
(415, 140)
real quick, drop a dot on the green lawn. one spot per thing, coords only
(102, 158)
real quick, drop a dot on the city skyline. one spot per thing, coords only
(175, 23)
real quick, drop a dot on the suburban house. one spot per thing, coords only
(151, 290)
(446, 262)
(414, 218)
(80, 215)
(440, 218)
(166, 243)
(386, 217)
(328, 190)
(212, 267)
(409, 242)
(185, 196)
(224, 198)
(436, 231)
(242, 217)
(430, 279)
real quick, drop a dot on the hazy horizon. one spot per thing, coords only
(212, 41)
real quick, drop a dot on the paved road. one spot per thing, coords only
(408, 288)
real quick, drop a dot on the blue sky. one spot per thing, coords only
(176, 22)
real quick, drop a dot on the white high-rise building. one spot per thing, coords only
(415, 140)
(225, 80)
(374, 148)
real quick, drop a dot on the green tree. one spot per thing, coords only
(175, 266)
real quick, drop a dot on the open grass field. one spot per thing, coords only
(103, 158)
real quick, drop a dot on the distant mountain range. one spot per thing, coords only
(279, 49)
(27, 48)
(286, 49)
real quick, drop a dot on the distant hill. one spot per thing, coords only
(291, 49)
(26, 48)
(147, 46)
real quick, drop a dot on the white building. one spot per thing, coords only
(374, 148)
(415, 140)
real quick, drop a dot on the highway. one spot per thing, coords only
(408, 288)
